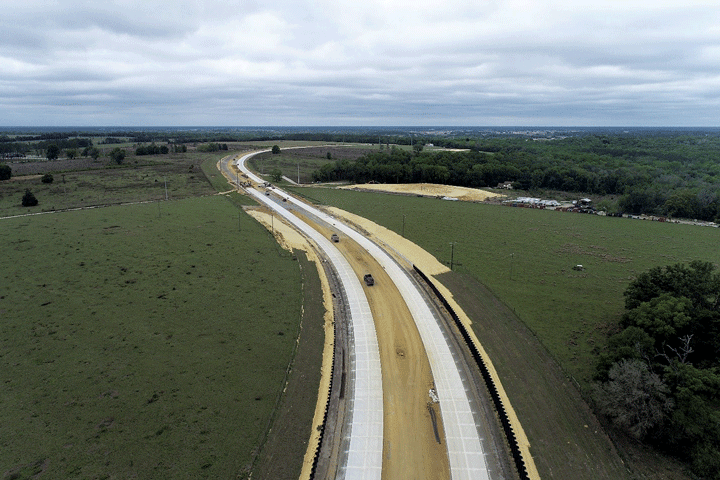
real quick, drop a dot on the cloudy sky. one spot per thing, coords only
(360, 62)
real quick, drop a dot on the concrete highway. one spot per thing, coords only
(467, 440)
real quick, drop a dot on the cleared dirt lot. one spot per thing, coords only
(428, 189)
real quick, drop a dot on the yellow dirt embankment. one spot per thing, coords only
(431, 189)
(405, 248)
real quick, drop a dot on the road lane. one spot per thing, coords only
(413, 437)
(364, 455)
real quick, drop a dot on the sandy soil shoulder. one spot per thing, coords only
(429, 189)
(403, 248)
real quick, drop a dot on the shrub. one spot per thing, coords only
(210, 147)
(151, 149)
(29, 200)
(47, 178)
(52, 152)
(635, 398)
(117, 154)
(5, 172)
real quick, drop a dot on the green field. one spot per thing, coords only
(179, 177)
(525, 256)
(147, 341)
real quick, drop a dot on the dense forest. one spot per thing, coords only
(669, 175)
(659, 378)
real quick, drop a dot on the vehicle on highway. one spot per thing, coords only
(369, 280)
(335, 238)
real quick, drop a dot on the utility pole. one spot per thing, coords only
(166, 192)
(403, 230)
(452, 254)
(512, 257)
(298, 173)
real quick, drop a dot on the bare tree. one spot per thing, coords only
(634, 398)
(680, 354)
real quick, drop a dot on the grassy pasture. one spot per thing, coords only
(306, 159)
(132, 182)
(134, 342)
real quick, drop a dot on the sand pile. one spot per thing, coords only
(461, 193)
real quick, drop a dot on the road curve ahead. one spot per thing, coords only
(364, 455)
(464, 439)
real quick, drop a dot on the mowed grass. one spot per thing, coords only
(145, 341)
(525, 257)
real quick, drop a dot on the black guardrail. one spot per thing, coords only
(489, 382)
(325, 416)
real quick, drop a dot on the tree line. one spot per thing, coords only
(666, 175)
(152, 149)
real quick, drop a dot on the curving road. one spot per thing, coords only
(464, 435)
(364, 458)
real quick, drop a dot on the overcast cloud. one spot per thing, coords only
(362, 62)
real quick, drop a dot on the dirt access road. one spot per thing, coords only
(410, 446)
